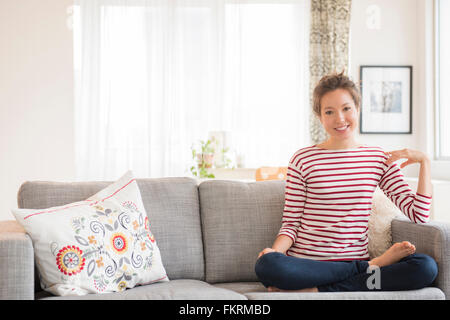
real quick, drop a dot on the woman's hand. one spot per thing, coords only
(266, 250)
(424, 186)
(411, 156)
(282, 244)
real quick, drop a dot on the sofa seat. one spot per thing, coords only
(242, 287)
(256, 291)
(172, 290)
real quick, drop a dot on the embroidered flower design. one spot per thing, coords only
(70, 261)
(130, 205)
(100, 283)
(100, 262)
(99, 208)
(119, 243)
(92, 240)
(117, 247)
(147, 228)
(122, 285)
(78, 224)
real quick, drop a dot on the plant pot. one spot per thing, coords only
(205, 160)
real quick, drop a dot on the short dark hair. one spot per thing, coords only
(333, 82)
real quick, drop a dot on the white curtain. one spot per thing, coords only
(155, 76)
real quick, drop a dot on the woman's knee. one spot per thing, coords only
(427, 268)
(268, 263)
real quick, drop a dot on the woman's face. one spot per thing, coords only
(338, 114)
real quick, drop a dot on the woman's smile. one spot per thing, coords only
(342, 128)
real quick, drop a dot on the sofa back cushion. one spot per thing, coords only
(172, 206)
(239, 219)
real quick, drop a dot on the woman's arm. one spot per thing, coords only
(424, 186)
(294, 204)
(295, 196)
(414, 156)
(415, 206)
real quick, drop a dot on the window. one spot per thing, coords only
(152, 78)
(443, 79)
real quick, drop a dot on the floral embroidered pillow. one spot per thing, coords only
(102, 244)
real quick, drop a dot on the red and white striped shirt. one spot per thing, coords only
(328, 200)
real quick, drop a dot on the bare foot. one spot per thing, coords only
(394, 254)
(274, 289)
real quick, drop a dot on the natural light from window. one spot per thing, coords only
(151, 80)
(443, 79)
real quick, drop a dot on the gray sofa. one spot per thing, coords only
(209, 236)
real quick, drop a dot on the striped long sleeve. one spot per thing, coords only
(413, 205)
(295, 196)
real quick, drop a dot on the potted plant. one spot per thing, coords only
(204, 157)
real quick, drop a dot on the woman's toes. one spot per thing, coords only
(408, 247)
(406, 244)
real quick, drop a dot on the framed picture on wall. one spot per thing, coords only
(386, 99)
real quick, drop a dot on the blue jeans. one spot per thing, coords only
(290, 273)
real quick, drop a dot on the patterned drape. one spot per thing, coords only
(328, 40)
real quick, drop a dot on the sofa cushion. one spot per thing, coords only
(429, 293)
(242, 287)
(171, 205)
(381, 216)
(181, 289)
(239, 220)
(101, 244)
(256, 291)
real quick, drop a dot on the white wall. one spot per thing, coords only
(36, 96)
(394, 43)
(404, 37)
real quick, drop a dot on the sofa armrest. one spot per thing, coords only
(16, 264)
(433, 239)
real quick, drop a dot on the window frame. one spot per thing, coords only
(437, 93)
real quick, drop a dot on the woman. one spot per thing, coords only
(323, 241)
